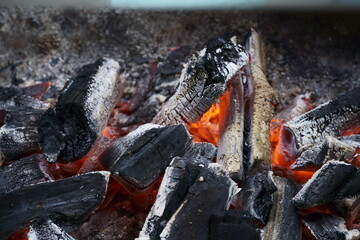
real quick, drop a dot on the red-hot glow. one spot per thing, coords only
(207, 128)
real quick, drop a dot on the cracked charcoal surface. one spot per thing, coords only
(71, 128)
(203, 81)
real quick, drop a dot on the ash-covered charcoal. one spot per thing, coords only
(352, 140)
(19, 120)
(233, 225)
(334, 180)
(328, 119)
(178, 178)
(329, 227)
(330, 149)
(23, 172)
(255, 196)
(230, 148)
(203, 81)
(149, 147)
(210, 194)
(66, 202)
(284, 221)
(70, 129)
(301, 104)
(349, 209)
(260, 99)
(47, 230)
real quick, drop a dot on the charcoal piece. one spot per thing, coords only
(331, 149)
(152, 149)
(300, 105)
(328, 119)
(47, 230)
(255, 196)
(233, 225)
(284, 221)
(70, 129)
(23, 172)
(260, 99)
(203, 81)
(210, 194)
(178, 178)
(352, 140)
(334, 180)
(329, 227)
(349, 209)
(37, 90)
(66, 202)
(230, 148)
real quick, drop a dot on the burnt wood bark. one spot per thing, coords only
(23, 172)
(333, 181)
(330, 149)
(47, 230)
(284, 221)
(260, 100)
(329, 227)
(178, 178)
(66, 202)
(328, 119)
(233, 225)
(151, 149)
(230, 148)
(70, 129)
(255, 196)
(203, 81)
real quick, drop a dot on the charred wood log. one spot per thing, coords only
(151, 149)
(331, 149)
(233, 225)
(23, 172)
(70, 129)
(67, 202)
(210, 194)
(329, 227)
(255, 196)
(47, 230)
(203, 81)
(333, 181)
(328, 119)
(230, 148)
(260, 99)
(284, 221)
(178, 178)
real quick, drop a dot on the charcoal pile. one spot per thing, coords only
(93, 165)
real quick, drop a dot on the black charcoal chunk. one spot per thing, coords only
(328, 119)
(333, 181)
(19, 120)
(148, 147)
(233, 225)
(178, 178)
(66, 202)
(284, 221)
(23, 172)
(47, 230)
(71, 128)
(329, 227)
(330, 149)
(211, 193)
(203, 81)
(255, 196)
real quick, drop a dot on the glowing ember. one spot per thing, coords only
(207, 128)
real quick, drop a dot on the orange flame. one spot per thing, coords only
(207, 128)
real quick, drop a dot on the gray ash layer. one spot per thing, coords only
(38, 44)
